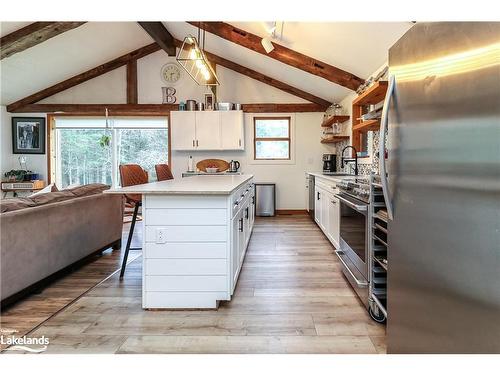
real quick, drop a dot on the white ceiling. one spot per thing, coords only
(359, 48)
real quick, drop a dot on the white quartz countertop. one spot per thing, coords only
(195, 185)
(335, 178)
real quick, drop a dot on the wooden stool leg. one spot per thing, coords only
(129, 240)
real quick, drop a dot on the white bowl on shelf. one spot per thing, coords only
(211, 170)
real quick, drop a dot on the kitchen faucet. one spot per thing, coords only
(347, 160)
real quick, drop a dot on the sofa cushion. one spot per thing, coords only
(47, 198)
(90, 189)
(8, 205)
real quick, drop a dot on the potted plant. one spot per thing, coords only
(17, 174)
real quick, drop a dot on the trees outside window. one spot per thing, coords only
(272, 138)
(82, 159)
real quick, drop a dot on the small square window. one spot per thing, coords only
(272, 138)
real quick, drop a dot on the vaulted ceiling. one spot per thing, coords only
(359, 48)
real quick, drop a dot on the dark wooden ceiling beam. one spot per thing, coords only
(159, 109)
(32, 35)
(132, 89)
(266, 79)
(85, 76)
(282, 54)
(160, 35)
(98, 109)
(282, 107)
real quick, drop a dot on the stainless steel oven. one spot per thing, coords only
(353, 252)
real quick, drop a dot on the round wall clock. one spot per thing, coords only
(171, 73)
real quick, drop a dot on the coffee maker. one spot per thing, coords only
(329, 163)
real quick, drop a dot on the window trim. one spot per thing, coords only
(51, 138)
(256, 139)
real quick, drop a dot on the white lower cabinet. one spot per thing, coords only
(317, 205)
(242, 225)
(327, 211)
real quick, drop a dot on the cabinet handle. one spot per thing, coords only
(318, 194)
(193, 142)
(241, 225)
(239, 142)
(246, 213)
(196, 143)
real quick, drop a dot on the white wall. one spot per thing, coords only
(36, 163)
(110, 88)
(289, 178)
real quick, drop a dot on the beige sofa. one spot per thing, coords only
(43, 235)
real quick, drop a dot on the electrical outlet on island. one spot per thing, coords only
(160, 235)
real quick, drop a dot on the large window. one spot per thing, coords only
(272, 138)
(87, 152)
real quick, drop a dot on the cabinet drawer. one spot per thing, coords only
(188, 233)
(185, 267)
(328, 186)
(185, 283)
(174, 250)
(181, 216)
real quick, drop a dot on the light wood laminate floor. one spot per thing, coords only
(291, 298)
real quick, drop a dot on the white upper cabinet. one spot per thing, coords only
(183, 130)
(207, 130)
(231, 128)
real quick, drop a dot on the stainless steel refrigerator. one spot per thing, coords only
(441, 127)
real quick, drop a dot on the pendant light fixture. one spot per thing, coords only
(192, 58)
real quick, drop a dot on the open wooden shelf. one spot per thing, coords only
(373, 95)
(335, 139)
(332, 120)
(365, 126)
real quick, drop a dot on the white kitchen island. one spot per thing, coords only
(196, 232)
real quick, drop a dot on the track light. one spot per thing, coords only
(267, 44)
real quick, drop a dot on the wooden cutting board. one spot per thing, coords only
(219, 163)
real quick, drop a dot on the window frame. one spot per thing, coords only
(52, 139)
(256, 139)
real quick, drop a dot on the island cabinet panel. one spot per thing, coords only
(180, 216)
(186, 250)
(187, 233)
(194, 244)
(185, 201)
(188, 283)
(183, 300)
(185, 267)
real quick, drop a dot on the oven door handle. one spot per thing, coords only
(357, 207)
(361, 283)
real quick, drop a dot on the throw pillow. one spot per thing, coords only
(47, 189)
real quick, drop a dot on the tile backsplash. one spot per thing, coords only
(367, 168)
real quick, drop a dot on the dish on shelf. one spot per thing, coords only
(211, 170)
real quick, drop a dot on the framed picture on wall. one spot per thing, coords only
(28, 135)
(209, 102)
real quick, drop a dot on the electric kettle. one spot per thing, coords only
(234, 166)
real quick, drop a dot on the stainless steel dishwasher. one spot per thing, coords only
(265, 195)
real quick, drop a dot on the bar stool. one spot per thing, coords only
(163, 172)
(132, 174)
